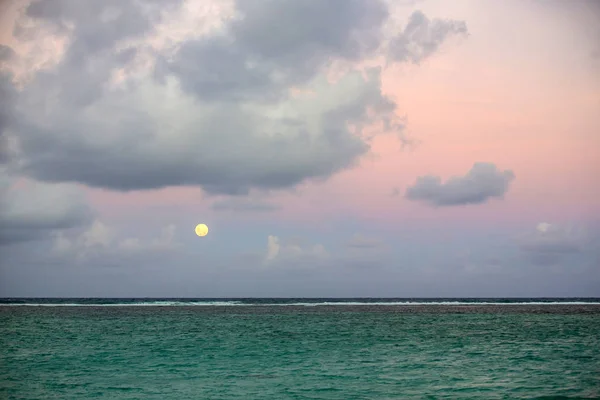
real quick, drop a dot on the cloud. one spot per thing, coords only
(217, 110)
(272, 248)
(309, 35)
(96, 36)
(550, 243)
(422, 37)
(30, 210)
(481, 183)
(289, 253)
(360, 252)
(244, 204)
(100, 241)
(98, 238)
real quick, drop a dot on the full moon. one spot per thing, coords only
(201, 230)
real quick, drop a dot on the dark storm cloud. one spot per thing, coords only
(422, 37)
(218, 113)
(481, 183)
(243, 205)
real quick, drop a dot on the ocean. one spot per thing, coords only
(300, 348)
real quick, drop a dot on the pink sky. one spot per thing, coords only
(521, 91)
(507, 94)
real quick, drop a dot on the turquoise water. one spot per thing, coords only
(299, 352)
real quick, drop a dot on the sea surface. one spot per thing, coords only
(299, 348)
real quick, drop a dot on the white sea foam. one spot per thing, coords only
(135, 304)
(297, 304)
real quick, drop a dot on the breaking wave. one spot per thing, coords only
(55, 302)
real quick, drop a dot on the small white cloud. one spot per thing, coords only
(98, 235)
(272, 247)
(544, 227)
(288, 252)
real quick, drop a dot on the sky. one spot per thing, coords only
(340, 148)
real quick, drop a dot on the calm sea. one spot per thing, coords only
(299, 348)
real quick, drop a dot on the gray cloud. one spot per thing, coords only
(309, 33)
(244, 204)
(95, 30)
(217, 111)
(249, 61)
(481, 183)
(32, 210)
(238, 149)
(422, 37)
